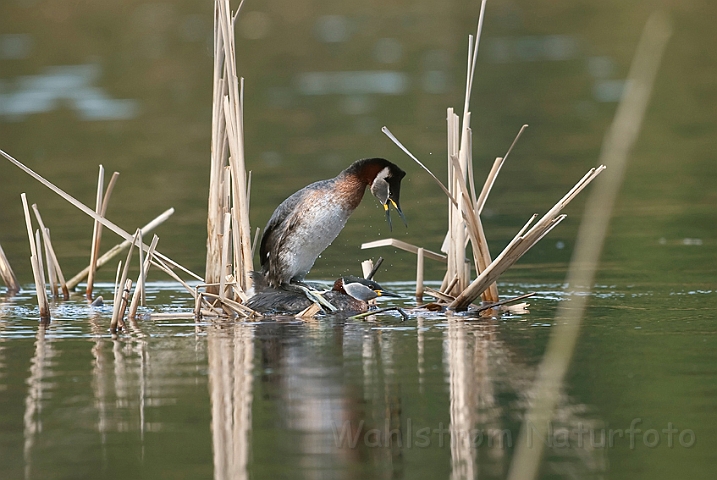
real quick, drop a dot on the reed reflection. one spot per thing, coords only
(120, 381)
(483, 370)
(341, 392)
(332, 380)
(37, 385)
(231, 383)
(6, 309)
(100, 377)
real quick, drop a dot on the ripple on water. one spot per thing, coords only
(19, 315)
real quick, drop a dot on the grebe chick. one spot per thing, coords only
(348, 295)
(304, 224)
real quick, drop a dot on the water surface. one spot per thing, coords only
(128, 85)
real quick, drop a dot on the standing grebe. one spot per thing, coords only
(349, 295)
(304, 224)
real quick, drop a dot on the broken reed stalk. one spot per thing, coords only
(106, 223)
(400, 244)
(255, 242)
(114, 251)
(119, 287)
(310, 312)
(101, 203)
(94, 246)
(375, 268)
(40, 265)
(53, 265)
(520, 244)
(139, 292)
(438, 294)
(225, 306)
(366, 268)
(515, 249)
(51, 272)
(141, 278)
(468, 214)
(37, 274)
(237, 254)
(8, 276)
(227, 150)
(116, 289)
(226, 237)
(464, 208)
(157, 262)
(615, 151)
(118, 322)
(491, 306)
(460, 180)
(493, 174)
(419, 274)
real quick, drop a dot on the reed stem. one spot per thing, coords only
(35, 262)
(615, 152)
(53, 264)
(88, 211)
(119, 309)
(94, 247)
(97, 231)
(227, 213)
(139, 292)
(419, 274)
(8, 276)
(114, 251)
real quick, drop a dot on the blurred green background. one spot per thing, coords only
(128, 85)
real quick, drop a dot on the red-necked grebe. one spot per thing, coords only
(350, 295)
(304, 224)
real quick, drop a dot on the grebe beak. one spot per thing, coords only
(400, 212)
(388, 213)
(386, 293)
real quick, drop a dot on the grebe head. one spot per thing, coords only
(361, 288)
(384, 181)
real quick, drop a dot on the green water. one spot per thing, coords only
(128, 85)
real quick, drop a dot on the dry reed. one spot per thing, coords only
(464, 209)
(165, 263)
(35, 262)
(230, 249)
(123, 292)
(228, 211)
(366, 268)
(419, 273)
(615, 151)
(8, 276)
(101, 203)
(53, 265)
(121, 282)
(393, 242)
(520, 244)
(117, 249)
(139, 293)
(51, 272)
